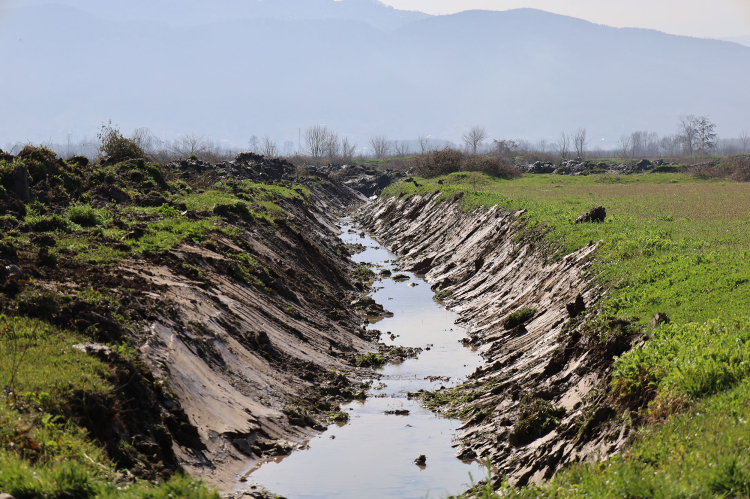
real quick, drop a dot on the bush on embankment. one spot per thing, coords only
(447, 161)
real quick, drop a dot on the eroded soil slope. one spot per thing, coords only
(216, 295)
(536, 405)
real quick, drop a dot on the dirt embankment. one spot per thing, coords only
(254, 369)
(245, 336)
(540, 401)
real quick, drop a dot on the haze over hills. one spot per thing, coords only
(522, 73)
(742, 40)
(199, 12)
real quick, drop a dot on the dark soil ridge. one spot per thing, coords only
(540, 402)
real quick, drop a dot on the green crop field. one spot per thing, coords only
(671, 244)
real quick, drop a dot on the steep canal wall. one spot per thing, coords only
(536, 405)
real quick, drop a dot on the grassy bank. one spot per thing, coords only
(670, 244)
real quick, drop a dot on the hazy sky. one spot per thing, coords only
(705, 18)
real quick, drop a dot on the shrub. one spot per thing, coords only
(490, 166)
(370, 359)
(519, 317)
(115, 147)
(37, 303)
(437, 163)
(84, 215)
(536, 418)
(47, 223)
(447, 161)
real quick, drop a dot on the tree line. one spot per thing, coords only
(694, 136)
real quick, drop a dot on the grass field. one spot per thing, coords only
(671, 244)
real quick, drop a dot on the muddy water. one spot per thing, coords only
(372, 456)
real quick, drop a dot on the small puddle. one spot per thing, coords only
(372, 456)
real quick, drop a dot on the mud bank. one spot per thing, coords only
(537, 405)
(256, 368)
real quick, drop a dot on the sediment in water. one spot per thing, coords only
(540, 402)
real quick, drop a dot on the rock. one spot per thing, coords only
(136, 233)
(15, 271)
(151, 200)
(98, 350)
(644, 163)
(658, 319)
(412, 284)
(44, 240)
(20, 179)
(6, 496)
(597, 214)
(398, 412)
(575, 308)
(421, 460)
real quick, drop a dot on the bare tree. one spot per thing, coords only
(474, 137)
(71, 149)
(563, 145)
(288, 149)
(625, 146)
(542, 145)
(669, 145)
(332, 146)
(191, 144)
(254, 143)
(424, 143)
(146, 140)
(705, 135)
(315, 138)
(686, 131)
(381, 146)
(347, 149)
(503, 148)
(744, 140)
(268, 147)
(579, 140)
(402, 148)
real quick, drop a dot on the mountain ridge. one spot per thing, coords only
(522, 73)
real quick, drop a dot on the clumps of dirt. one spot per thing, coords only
(369, 182)
(368, 307)
(536, 418)
(597, 214)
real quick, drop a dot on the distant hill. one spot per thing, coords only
(743, 40)
(198, 12)
(522, 73)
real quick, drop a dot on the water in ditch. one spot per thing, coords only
(372, 456)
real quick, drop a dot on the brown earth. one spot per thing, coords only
(540, 402)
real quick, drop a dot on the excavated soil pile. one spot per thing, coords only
(538, 404)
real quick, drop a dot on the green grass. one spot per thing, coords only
(39, 359)
(700, 454)
(673, 244)
(369, 359)
(670, 243)
(41, 454)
